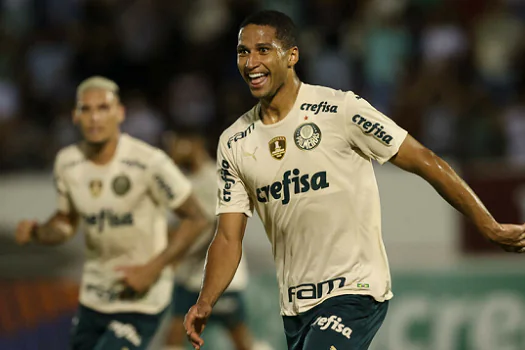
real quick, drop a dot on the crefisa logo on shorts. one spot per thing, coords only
(307, 136)
(334, 323)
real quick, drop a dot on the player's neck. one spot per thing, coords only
(102, 154)
(277, 107)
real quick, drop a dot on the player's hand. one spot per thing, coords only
(24, 231)
(508, 236)
(195, 322)
(138, 277)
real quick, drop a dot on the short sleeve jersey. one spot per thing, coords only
(310, 178)
(123, 212)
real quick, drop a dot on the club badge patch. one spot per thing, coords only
(95, 187)
(307, 136)
(121, 185)
(277, 147)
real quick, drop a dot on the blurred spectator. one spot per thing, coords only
(328, 66)
(17, 17)
(445, 70)
(497, 38)
(48, 61)
(440, 120)
(514, 126)
(142, 121)
(141, 32)
(192, 102)
(386, 48)
(443, 39)
(64, 131)
(206, 20)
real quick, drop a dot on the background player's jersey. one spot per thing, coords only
(190, 272)
(123, 210)
(311, 179)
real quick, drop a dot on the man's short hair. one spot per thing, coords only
(98, 82)
(285, 29)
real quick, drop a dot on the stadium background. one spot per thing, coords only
(449, 71)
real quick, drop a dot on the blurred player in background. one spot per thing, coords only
(120, 189)
(303, 158)
(189, 152)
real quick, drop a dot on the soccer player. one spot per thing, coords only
(120, 190)
(189, 152)
(302, 157)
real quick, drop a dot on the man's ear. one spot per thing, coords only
(293, 57)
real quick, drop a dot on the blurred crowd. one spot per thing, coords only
(449, 71)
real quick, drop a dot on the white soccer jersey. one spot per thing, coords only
(123, 210)
(190, 272)
(310, 177)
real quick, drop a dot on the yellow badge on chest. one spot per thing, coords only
(277, 147)
(95, 187)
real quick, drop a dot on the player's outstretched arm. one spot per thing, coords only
(417, 159)
(58, 229)
(224, 255)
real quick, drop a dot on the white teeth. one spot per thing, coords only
(255, 75)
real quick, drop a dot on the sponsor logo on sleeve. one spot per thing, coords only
(164, 187)
(374, 129)
(240, 135)
(228, 181)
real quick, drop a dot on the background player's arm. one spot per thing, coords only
(417, 159)
(56, 230)
(61, 225)
(193, 222)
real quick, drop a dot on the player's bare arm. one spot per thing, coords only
(56, 230)
(417, 159)
(224, 255)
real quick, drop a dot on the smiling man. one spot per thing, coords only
(312, 183)
(118, 189)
